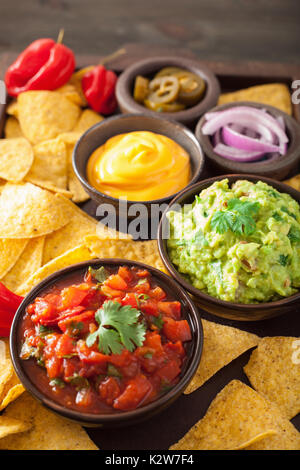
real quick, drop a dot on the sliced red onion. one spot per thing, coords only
(238, 155)
(253, 118)
(235, 139)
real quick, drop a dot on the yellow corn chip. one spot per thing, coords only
(222, 344)
(10, 252)
(12, 108)
(16, 157)
(43, 115)
(87, 119)
(12, 128)
(49, 169)
(274, 94)
(10, 426)
(274, 371)
(10, 386)
(28, 263)
(76, 81)
(146, 252)
(73, 256)
(48, 430)
(74, 185)
(287, 437)
(294, 182)
(236, 418)
(27, 211)
(71, 92)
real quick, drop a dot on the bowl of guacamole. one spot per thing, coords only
(234, 243)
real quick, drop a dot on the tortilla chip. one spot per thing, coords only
(10, 252)
(48, 431)
(146, 252)
(12, 128)
(10, 386)
(12, 108)
(236, 418)
(274, 94)
(287, 437)
(273, 373)
(74, 185)
(71, 92)
(294, 182)
(10, 426)
(16, 157)
(49, 169)
(222, 344)
(43, 115)
(73, 256)
(27, 211)
(87, 119)
(28, 263)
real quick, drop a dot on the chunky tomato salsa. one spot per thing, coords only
(110, 341)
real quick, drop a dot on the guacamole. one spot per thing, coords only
(240, 243)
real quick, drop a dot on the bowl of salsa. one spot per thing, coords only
(106, 342)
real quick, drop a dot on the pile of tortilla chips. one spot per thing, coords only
(40, 134)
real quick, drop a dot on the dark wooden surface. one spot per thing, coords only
(224, 30)
(161, 431)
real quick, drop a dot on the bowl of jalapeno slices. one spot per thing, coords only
(177, 88)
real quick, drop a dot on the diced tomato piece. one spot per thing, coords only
(72, 296)
(83, 319)
(149, 307)
(157, 293)
(170, 309)
(142, 287)
(168, 372)
(109, 390)
(84, 397)
(111, 293)
(71, 367)
(176, 330)
(90, 355)
(116, 282)
(142, 273)
(135, 393)
(153, 340)
(130, 299)
(174, 350)
(132, 368)
(125, 273)
(65, 346)
(120, 360)
(44, 311)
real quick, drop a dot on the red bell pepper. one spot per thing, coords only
(43, 65)
(9, 303)
(98, 86)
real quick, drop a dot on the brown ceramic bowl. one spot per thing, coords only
(148, 68)
(193, 348)
(276, 169)
(100, 133)
(221, 308)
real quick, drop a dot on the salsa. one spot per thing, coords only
(110, 341)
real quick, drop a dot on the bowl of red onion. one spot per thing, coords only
(249, 137)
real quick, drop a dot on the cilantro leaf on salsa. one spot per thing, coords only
(118, 328)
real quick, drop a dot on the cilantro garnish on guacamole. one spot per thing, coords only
(238, 243)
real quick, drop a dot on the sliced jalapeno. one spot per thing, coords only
(164, 107)
(163, 90)
(192, 87)
(141, 89)
(167, 71)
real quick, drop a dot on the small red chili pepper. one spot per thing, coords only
(43, 65)
(98, 86)
(9, 303)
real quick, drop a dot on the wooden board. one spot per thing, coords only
(165, 429)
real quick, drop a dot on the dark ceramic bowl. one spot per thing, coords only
(276, 169)
(221, 308)
(100, 133)
(194, 348)
(148, 68)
